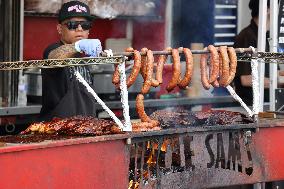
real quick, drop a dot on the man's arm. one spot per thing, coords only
(281, 72)
(246, 81)
(64, 51)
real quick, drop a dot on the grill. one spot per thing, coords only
(178, 156)
(191, 157)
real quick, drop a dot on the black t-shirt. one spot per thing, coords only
(246, 38)
(55, 81)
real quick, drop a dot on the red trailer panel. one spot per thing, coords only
(66, 164)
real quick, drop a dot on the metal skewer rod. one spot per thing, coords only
(238, 50)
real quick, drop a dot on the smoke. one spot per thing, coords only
(113, 8)
(101, 8)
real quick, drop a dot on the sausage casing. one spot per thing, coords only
(214, 64)
(176, 71)
(140, 108)
(160, 66)
(203, 70)
(189, 69)
(116, 75)
(225, 66)
(233, 64)
(149, 72)
(144, 63)
(135, 70)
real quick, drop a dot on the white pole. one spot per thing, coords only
(168, 25)
(273, 48)
(261, 47)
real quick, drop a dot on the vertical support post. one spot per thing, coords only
(261, 46)
(169, 23)
(273, 48)
(124, 97)
(129, 30)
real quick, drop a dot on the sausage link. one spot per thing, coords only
(116, 75)
(233, 64)
(176, 71)
(149, 72)
(203, 70)
(220, 65)
(144, 126)
(135, 70)
(155, 82)
(214, 64)
(144, 63)
(225, 66)
(160, 66)
(140, 108)
(189, 69)
(216, 83)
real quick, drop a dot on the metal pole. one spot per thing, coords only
(261, 46)
(129, 30)
(169, 24)
(261, 42)
(273, 48)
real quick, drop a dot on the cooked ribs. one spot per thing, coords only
(180, 117)
(77, 125)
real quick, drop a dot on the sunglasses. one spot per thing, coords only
(73, 25)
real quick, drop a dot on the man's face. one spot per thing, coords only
(73, 29)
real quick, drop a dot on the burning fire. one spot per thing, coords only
(133, 185)
(151, 161)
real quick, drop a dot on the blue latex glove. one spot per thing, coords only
(91, 47)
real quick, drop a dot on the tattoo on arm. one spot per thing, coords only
(64, 51)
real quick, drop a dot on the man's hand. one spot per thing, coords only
(91, 47)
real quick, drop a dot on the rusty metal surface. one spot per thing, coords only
(194, 160)
(209, 158)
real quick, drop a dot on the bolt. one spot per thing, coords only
(128, 141)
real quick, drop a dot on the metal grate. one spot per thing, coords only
(193, 159)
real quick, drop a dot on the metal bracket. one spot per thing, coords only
(247, 137)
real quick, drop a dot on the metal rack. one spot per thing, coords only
(55, 63)
(244, 55)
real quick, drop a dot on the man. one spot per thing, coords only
(62, 95)
(246, 38)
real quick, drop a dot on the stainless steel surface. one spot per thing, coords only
(273, 48)
(150, 103)
(10, 21)
(279, 100)
(20, 110)
(34, 83)
(261, 44)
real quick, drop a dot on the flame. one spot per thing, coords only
(133, 185)
(164, 145)
(151, 158)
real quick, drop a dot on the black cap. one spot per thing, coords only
(74, 9)
(254, 6)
